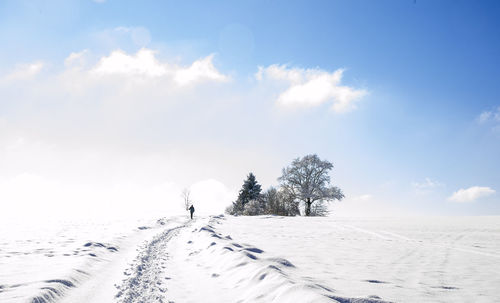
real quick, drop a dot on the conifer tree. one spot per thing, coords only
(249, 191)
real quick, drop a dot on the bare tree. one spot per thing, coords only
(307, 179)
(186, 198)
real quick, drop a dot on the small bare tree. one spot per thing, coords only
(186, 197)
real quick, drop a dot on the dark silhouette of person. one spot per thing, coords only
(191, 210)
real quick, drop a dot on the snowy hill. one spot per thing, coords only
(255, 259)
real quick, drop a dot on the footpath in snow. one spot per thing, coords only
(70, 261)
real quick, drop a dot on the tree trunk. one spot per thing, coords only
(308, 207)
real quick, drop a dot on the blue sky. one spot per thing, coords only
(401, 96)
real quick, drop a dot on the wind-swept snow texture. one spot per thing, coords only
(434, 259)
(258, 259)
(204, 264)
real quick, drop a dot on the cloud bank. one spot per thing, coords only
(127, 131)
(101, 134)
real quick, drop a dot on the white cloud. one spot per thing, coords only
(489, 116)
(484, 117)
(311, 87)
(471, 194)
(491, 119)
(25, 71)
(427, 186)
(145, 64)
(76, 59)
(202, 69)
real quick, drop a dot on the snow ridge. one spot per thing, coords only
(55, 289)
(216, 268)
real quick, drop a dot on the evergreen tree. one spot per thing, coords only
(249, 191)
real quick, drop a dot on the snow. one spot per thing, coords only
(45, 261)
(252, 259)
(440, 259)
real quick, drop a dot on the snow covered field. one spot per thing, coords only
(252, 259)
(440, 259)
(43, 261)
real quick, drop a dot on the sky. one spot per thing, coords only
(114, 107)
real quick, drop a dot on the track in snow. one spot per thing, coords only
(144, 283)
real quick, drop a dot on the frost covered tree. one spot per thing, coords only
(272, 202)
(235, 209)
(250, 190)
(289, 204)
(276, 202)
(307, 180)
(253, 208)
(319, 209)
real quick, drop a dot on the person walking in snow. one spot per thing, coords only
(191, 210)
